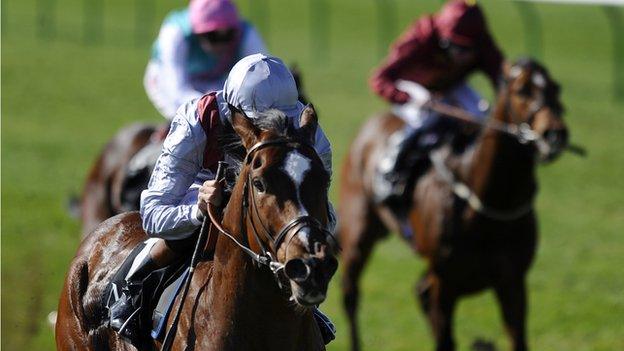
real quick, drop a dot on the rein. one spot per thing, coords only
(266, 258)
(522, 132)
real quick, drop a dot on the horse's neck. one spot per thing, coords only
(244, 302)
(501, 170)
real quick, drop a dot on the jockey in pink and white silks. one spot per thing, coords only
(195, 50)
(182, 183)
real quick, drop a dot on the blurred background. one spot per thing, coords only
(72, 75)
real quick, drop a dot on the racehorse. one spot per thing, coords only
(109, 188)
(272, 261)
(113, 185)
(471, 215)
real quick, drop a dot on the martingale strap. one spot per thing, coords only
(465, 193)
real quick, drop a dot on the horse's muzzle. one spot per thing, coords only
(557, 140)
(309, 278)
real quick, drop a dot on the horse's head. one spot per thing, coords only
(532, 99)
(284, 187)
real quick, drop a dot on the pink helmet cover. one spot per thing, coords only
(210, 15)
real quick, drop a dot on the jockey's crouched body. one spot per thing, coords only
(433, 57)
(182, 184)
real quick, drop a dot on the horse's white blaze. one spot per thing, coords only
(539, 80)
(297, 166)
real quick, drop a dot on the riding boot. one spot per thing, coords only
(328, 330)
(394, 170)
(124, 313)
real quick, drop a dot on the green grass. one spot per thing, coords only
(62, 99)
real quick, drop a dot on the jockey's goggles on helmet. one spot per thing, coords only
(219, 36)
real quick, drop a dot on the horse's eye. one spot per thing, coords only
(259, 185)
(257, 163)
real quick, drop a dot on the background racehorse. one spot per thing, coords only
(471, 216)
(108, 190)
(233, 302)
(113, 186)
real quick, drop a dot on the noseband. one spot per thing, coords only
(267, 258)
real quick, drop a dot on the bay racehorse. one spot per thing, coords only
(110, 188)
(272, 261)
(471, 215)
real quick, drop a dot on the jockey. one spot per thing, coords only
(434, 56)
(182, 184)
(195, 50)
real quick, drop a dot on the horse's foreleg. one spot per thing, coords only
(512, 299)
(357, 241)
(438, 303)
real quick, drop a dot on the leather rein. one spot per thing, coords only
(266, 258)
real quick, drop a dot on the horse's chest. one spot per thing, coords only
(479, 250)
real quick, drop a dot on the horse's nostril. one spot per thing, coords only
(332, 266)
(556, 137)
(297, 270)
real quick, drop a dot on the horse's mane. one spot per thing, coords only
(231, 145)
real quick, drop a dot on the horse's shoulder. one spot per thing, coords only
(102, 252)
(127, 221)
(108, 242)
(123, 222)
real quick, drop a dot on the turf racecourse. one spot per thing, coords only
(62, 99)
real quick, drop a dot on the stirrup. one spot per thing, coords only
(124, 316)
(328, 329)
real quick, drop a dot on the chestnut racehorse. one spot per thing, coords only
(240, 300)
(471, 214)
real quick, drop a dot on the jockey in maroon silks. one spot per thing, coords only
(434, 56)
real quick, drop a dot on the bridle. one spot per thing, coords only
(267, 257)
(519, 128)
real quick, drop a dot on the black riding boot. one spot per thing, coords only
(395, 169)
(126, 293)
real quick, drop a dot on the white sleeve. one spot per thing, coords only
(173, 53)
(163, 213)
(252, 43)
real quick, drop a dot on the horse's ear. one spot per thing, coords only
(244, 127)
(308, 123)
